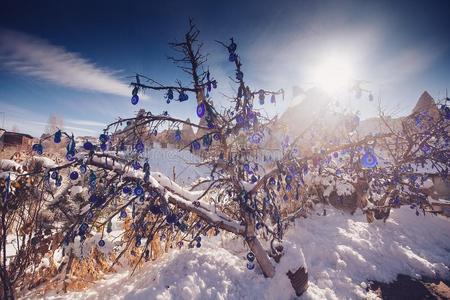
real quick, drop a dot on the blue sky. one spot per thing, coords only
(74, 59)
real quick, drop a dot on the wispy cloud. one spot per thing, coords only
(28, 55)
(85, 123)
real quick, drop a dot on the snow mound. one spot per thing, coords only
(342, 252)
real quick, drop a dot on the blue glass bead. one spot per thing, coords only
(84, 227)
(288, 178)
(54, 175)
(103, 138)
(369, 160)
(109, 227)
(138, 191)
(250, 265)
(70, 156)
(88, 146)
(171, 218)
(155, 209)
(250, 256)
(196, 145)
(183, 97)
(170, 94)
(38, 148)
(90, 214)
(239, 75)
(126, 190)
(101, 243)
(272, 99)
(198, 245)
(426, 148)
(239, 119)
(139, 147)
(74, 175)
(216, 136)
(123, 214)
(134, 99)
(57, 137)
(201, 110)
(136, 165)
(178, 135)
(255, 138)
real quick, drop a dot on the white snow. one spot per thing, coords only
(10, 165)
(341, 253)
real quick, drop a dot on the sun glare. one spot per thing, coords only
(333, 74)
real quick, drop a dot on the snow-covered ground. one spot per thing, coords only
(341, 253)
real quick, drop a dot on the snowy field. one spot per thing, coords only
(342, 253)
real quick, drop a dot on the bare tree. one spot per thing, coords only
(246, 195)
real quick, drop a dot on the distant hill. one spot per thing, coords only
(311, 109)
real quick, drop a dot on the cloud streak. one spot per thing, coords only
(25, 54)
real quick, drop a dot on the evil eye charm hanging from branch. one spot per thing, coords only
(126, 190)
(138, 190)
(135, 97)
(92, 179)
(71, 149)
(272, 99)
(38, 148)
(88, 146)
(73, 175)
(178, 135)
(261, 97)
(146, 169)
(232, 49)
(169, 95)
(255, 138)
(183, 96)
(139, 147)
(196, 145)
(369, 160)
(206, 140)
(201, 109)
(57, 137)
(136, 165)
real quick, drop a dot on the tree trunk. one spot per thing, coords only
(7, 289)
(261, 256)
(255, 246)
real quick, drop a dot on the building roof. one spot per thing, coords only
(17, 134)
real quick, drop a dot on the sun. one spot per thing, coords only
(333, 74)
